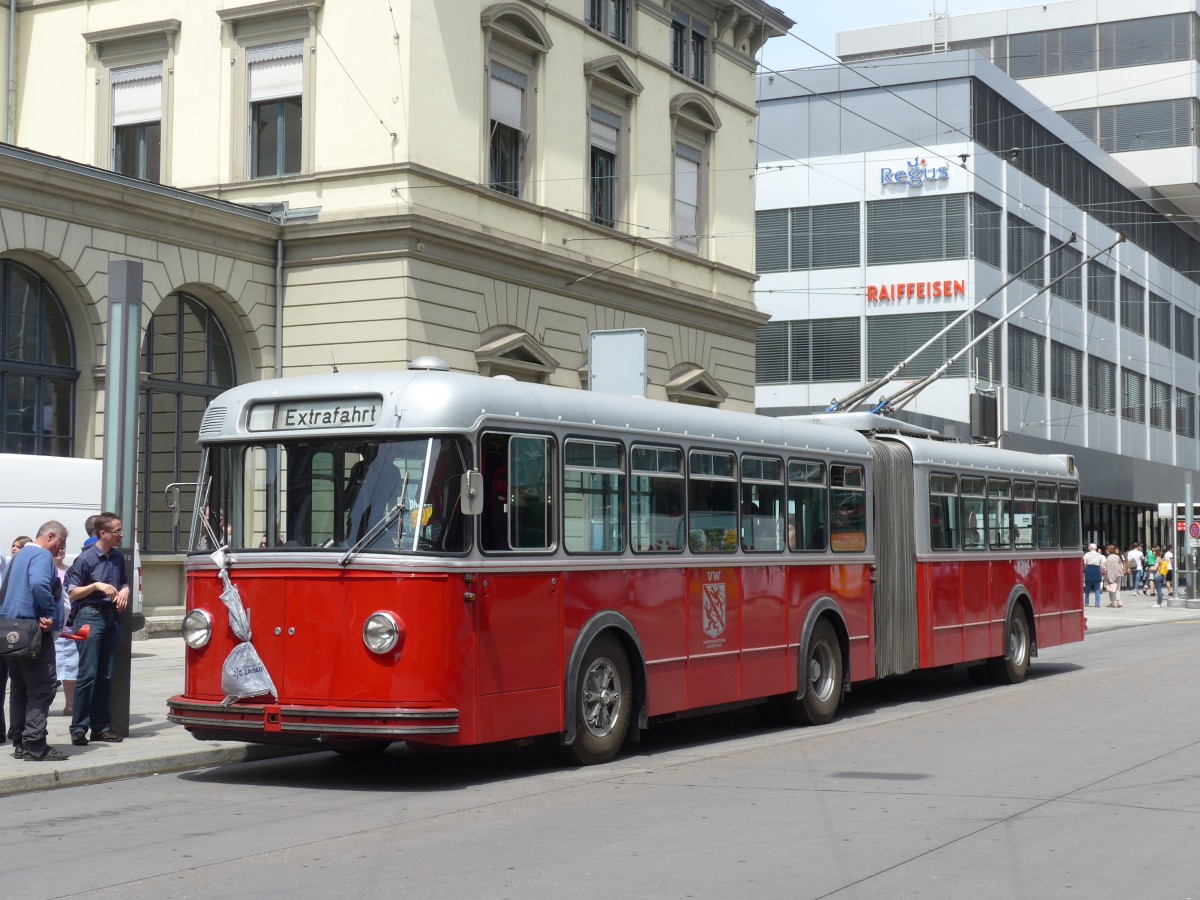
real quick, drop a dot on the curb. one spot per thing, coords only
(43, 780)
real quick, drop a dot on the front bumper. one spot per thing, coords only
(275, 723)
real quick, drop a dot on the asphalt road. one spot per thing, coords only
(1082, 782)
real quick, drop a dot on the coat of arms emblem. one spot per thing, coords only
(714, 609)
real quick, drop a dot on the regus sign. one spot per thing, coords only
(914, 174)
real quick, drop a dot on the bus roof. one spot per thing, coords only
(932, 454)
(449, 402)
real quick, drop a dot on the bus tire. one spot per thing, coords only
(821, 679)
(1018, 641)
(604, 702)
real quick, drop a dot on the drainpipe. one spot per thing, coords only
(279, 306)
(11, 75)
(280, 212)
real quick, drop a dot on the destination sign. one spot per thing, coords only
(301, 415)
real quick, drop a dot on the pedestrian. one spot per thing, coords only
(66, 653)
(1160, 576)
(1093, 564)
(1169, 574)
(1151, 563)
(1135, 558)
(31, 592)
(1114, 571)
(89, 525)
(99, 590)
(17, 544)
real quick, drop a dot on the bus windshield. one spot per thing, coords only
(332, 493)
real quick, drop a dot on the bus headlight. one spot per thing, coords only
(197, 629)
(383, 632)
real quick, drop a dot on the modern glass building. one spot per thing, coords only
(895, 196)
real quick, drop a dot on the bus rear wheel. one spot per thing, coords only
(603, 703)
(821, 680)
(1018, 642)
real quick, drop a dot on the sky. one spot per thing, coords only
(818, 22)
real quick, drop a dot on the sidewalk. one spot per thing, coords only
(1136, 609)
(154, 745)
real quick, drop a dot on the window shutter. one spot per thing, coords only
(985, 230)
(1102, 379)
(1133, 396)
(1066, 375)
(276, 70)
(801, 353)
(837, 349)
(771, 240)
(801, 239)
(137, 94)
(1185, 413)
(771, 354)
(835, 236)
(605, 130)
(1160, 405)
(1185, 333)
(1133, 306)
(506, 96)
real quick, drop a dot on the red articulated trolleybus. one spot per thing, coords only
(447, 559)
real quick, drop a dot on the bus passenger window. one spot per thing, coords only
(973, 514)
(1024, 510)
(593, 497)
(712, 503)
(529, 492)
(999, 514)
(1047, 516)
(656, 500)
(1070, 532)
(943, 515)
(493, 524)
(808, 506)
(762, 504)
(848, 499)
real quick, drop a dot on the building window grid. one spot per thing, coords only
(1026, 245)
(809, 351)
(37, 366)
(1133, 396)
(1070, 288)
(1101, 287)
(689, 46)
(1133, 306)
(1160, 320)
(1185, 413)
(1185, 333)
(985, 230)
(609, 17)
(1026, 360)
(1066, 373)
(891, 339)
(1102, 386)
(807, 237)
(985, 363)
(915, 229)
(999, 126)
(1160, 404)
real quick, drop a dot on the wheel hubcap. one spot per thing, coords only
(1017, 642)
(601, 697)
(820, 672)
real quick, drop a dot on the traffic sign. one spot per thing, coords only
(1194, 531)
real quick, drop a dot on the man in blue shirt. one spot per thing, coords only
(32, 593)
(99, 590)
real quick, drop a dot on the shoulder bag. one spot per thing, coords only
(19, 638)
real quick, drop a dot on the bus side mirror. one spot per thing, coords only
(471, 493)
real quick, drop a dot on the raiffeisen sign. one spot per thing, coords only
(915, 174)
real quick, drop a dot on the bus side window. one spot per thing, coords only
(943, 517)
(808, 506)
(712, 502)
(762, 504)
(848, 500)
(973, 512)
(1069, 524)
(1024, 512)
(1047, 516)
(529, 493)
(493, 524)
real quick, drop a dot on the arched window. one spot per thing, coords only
(37, 366)
(189, 361)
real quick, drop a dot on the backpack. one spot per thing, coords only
(1164, 567)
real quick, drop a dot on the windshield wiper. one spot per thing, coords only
(378, 528)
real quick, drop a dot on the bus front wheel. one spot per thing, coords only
(603, 703)
(820, 679)
(1018, 642)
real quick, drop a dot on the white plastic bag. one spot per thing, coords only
(244, 675)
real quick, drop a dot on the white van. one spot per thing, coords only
(36, 489)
